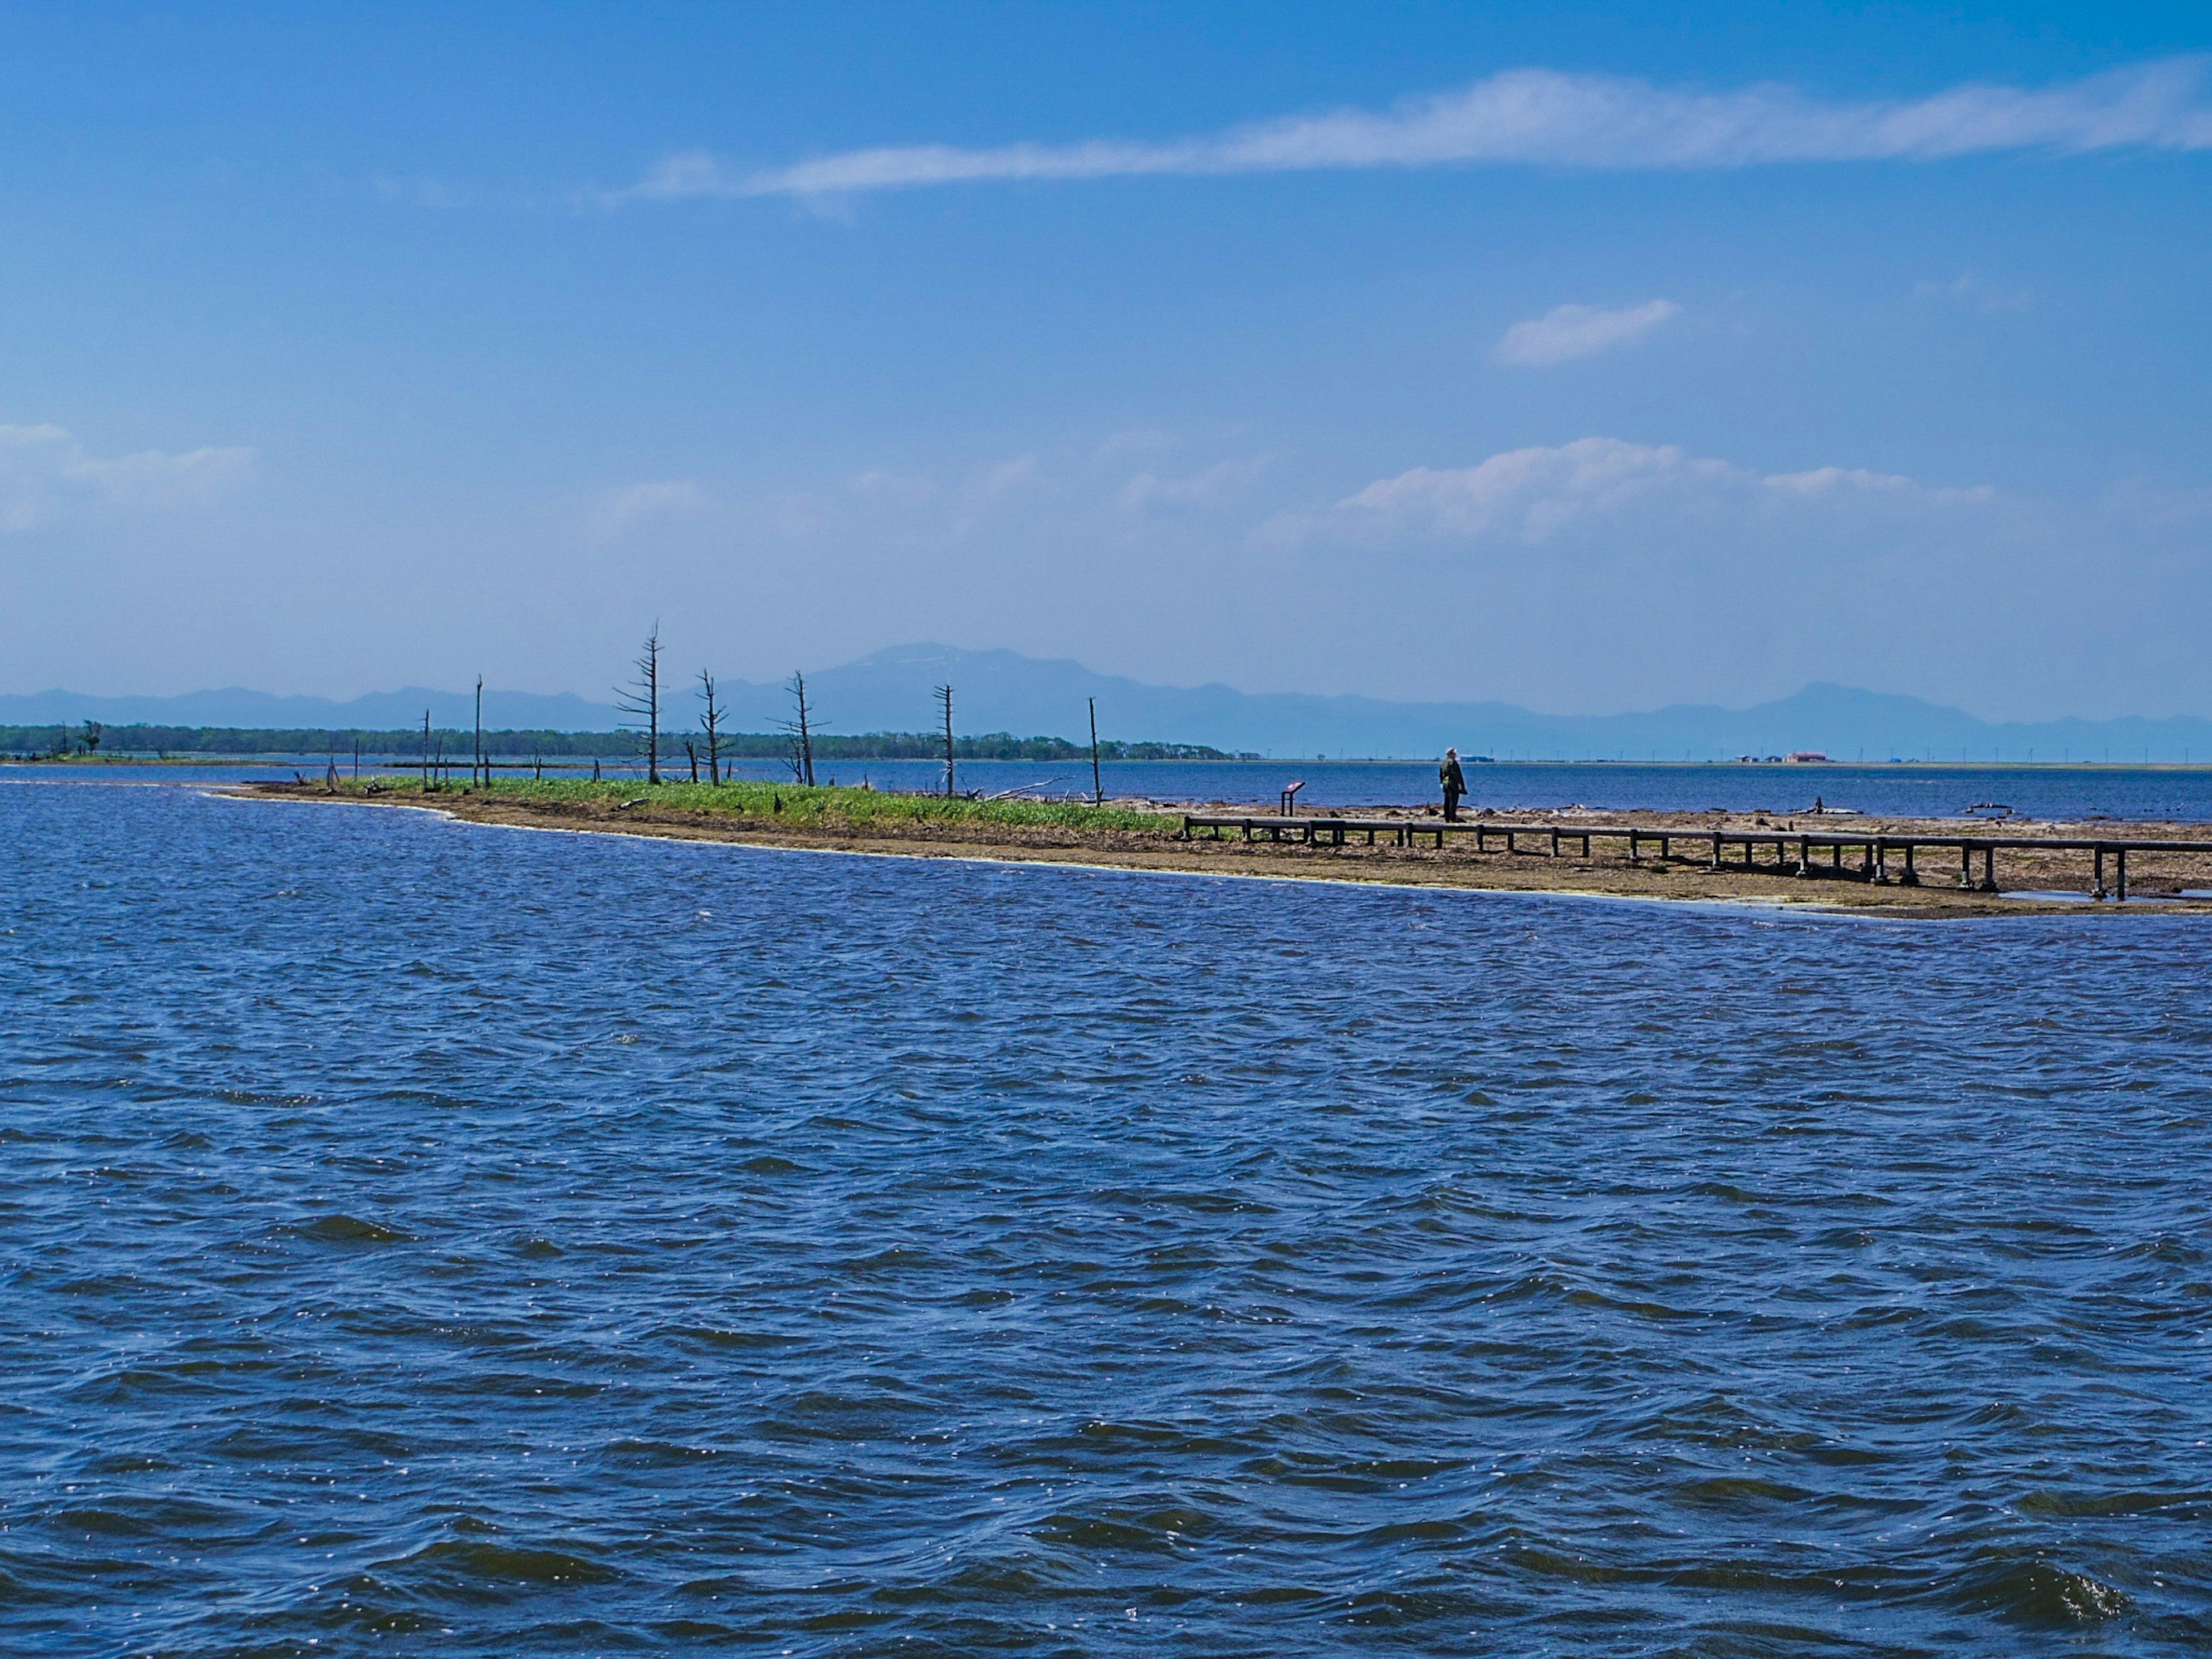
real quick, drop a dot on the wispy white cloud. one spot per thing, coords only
(44, 471)
(1969, 289)
(435, 193)
(1566, 331)
(618, 512)
(1222, 481)
(1535, 494)
(1539, 118)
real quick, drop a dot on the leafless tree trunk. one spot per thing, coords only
(710, 722)
(426, 749)
(691, 753)
(481, 765)
(945, 697)
(642, 698)
(801, 728)
(1097, 787)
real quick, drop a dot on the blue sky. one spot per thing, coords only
(1588, 358)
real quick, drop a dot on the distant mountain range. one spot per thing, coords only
(1004, 691)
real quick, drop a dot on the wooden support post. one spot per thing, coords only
(1804, 855)
(1666, 846)
(2120, 871)
(1989, 869)
(1511, 842)
(1555, 843)
(1717, 849)
(1586, 852)
(1912, 877)
(1965, 864)
(2097, 890)
(1881, 862)
(1634, 857)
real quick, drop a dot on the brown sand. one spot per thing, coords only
(1689, 876)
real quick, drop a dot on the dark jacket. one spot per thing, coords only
(1453, 780)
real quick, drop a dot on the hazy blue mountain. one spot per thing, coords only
(380, 711)
(1000, 690)
(892, 691)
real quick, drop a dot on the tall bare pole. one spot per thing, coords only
(426, 749)
(1097, 787)
(483, 763)
(944, 697)
(642, 697)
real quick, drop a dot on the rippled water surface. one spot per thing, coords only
(428, 1239)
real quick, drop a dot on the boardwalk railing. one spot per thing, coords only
(1795, 852)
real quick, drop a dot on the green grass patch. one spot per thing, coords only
(795, 805)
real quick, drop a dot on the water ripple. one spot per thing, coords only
(436, 1239)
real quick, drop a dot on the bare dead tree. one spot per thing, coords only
(482, 764)
(710, 722)
(1097, 787)
(641, 699)
(691, 753)
(945, 697)
(800, 726)
(426, 749)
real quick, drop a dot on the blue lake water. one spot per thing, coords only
(430, 1239)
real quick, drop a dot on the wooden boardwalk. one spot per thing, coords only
(1872, 856)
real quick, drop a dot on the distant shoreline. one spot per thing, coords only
(399, 765)
(1125, 835)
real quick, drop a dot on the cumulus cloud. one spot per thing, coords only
(44, 472)
(1533, 495)
(1534, 117)
(1566, 331)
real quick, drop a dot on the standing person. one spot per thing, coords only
(1454, 784)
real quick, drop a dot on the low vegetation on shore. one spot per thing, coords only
(793, 805)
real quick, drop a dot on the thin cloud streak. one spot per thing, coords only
(44, 471)
(1568, 332)
(1539, 118)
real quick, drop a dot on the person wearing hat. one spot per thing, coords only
(1454, 784)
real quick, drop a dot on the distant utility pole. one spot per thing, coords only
(945, 697)
(1097, 787)
(483, 763)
